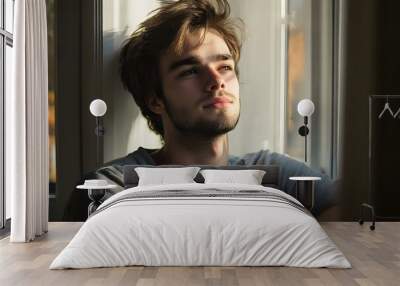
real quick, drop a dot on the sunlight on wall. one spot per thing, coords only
(136, 138)
(259, 66)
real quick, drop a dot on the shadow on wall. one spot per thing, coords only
(126, 128)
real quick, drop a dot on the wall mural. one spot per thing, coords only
(198, 109)
(199, 104)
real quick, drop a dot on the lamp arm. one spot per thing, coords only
(99, 131)
(305, 137)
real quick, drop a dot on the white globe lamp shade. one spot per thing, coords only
(98, 107)
(305, 107)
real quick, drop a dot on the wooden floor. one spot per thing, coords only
(374, 255)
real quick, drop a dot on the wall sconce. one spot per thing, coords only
(305, 108)
(98, 108)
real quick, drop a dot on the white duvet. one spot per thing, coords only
(219, 231)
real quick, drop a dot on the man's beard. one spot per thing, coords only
(201, 127)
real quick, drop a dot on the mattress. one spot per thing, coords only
(201, 225)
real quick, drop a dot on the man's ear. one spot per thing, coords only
(155, 104)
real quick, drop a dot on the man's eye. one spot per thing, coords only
(226, 68)
(188, 72)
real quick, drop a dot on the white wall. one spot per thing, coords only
(258, 127)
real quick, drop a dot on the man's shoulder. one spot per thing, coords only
(141, 156)
(261, 157)
(289, 166)
(112, 171)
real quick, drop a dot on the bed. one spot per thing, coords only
(201, 224)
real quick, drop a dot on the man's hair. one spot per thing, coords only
(166, 29)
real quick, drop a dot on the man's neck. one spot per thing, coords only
(193, 151)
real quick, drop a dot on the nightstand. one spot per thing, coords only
(305, 190)
(96, 191)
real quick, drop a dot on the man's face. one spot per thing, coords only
(200, 87)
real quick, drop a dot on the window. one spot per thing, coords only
(6, 60)
(309, 75)
(52, 78)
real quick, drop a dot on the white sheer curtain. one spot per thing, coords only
(27, 124)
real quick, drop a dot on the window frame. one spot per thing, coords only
(6, 39)
(312, 81)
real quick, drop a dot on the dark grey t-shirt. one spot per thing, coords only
(325, 192)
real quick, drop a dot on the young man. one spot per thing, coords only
(180, 66)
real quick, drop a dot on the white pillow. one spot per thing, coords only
(161, 176)
(249, 177)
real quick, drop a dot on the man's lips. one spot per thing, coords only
(218, 102)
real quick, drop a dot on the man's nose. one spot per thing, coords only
(214, 81)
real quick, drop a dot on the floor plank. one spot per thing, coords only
(374, 255)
